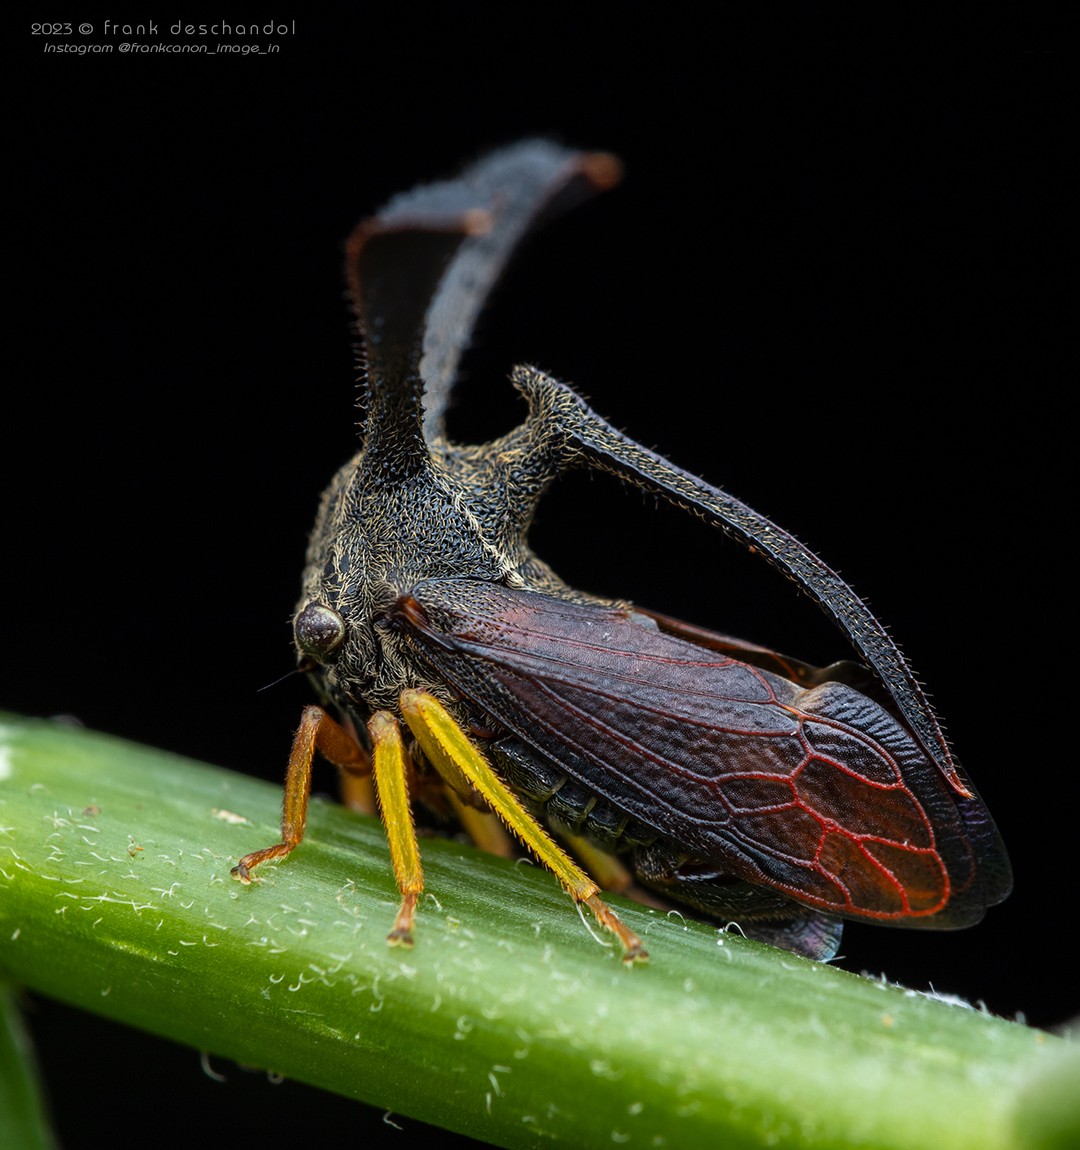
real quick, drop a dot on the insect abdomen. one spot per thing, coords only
(565, 802)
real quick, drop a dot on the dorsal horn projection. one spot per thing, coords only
(420, 272)
(394, 262)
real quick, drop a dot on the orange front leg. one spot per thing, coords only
(317, 732)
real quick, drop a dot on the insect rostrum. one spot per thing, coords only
(728, 778)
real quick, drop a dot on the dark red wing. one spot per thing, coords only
(818, 793)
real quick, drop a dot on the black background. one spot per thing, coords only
(832, 281)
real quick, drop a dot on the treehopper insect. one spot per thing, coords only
(722, 775)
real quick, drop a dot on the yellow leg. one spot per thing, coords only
(611, 875)
(391, 785)
(449, 750)
(482, 827)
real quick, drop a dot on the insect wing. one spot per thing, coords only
(818, 793)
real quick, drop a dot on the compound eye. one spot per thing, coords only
(319, 630)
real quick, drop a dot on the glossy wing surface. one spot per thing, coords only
(817, 792)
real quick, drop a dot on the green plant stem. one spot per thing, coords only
(508, 1021)
(23, 1120)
